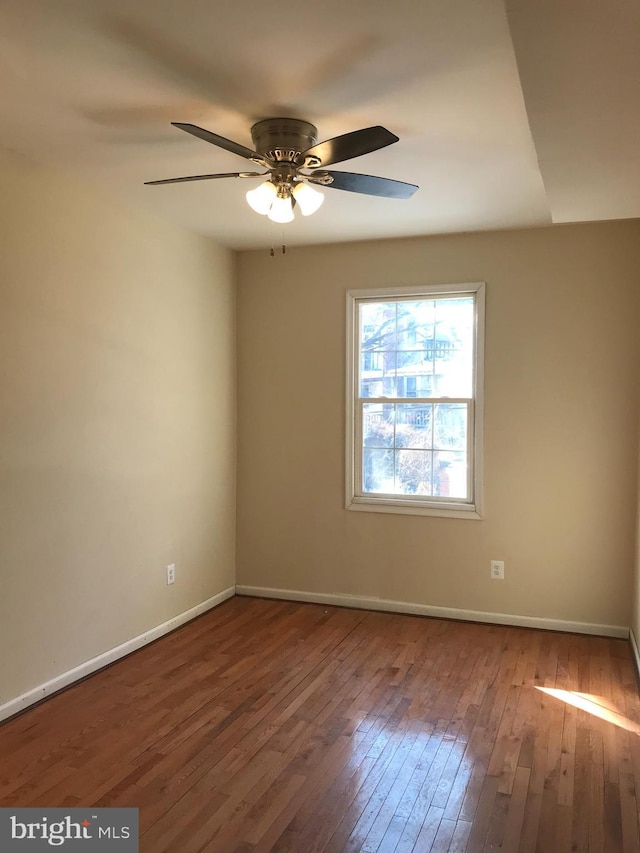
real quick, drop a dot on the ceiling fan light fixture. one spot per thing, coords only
(308, 198)
(281, 210)
(261, 198)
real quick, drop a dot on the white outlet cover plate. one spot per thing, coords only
(497, 569)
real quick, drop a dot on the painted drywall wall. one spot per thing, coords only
(117, 423)
(561, 439)
(635, 593)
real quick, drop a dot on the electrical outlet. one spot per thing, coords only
(497, 570)
(171, 574)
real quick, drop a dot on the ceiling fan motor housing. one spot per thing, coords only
(282, 140)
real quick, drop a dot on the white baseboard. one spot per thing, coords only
(635, 651)
(18, 704)
(432, 610)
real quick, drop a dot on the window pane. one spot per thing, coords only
(378, 424)
(377, 326)
(377, 470)
(413, 472)
(425, 385)
(414, 373)
(450, 426)
(378, 349)
(378, 374)
(453, 347)
(415, 324)
(417, 348)
(415, 449)
(450, 474)
(414, 426)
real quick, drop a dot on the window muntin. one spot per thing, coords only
(413, 384)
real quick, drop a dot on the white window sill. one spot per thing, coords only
(399, 507)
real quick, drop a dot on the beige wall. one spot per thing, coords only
(635, 595)
(561, 431)
(117, 423)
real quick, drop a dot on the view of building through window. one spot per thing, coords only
(415, 379)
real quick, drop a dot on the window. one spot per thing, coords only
(414, 400)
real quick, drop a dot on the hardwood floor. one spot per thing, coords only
(269, 725)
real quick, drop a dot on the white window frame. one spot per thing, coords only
(355, 500)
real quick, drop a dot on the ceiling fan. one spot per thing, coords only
(289, 150)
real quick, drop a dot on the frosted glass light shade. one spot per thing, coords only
(262, 197)
(281, 209)
(308, 198)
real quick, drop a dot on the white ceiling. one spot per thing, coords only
(506, 117)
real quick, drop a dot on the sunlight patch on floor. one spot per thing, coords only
(599, 706)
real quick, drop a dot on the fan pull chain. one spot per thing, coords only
(272, 250)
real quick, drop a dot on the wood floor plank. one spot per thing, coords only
(583, 764)
(429, 830)
(482, 817)
(300, 728)
(517, 806)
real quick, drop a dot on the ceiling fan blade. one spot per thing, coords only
(207, 177)
(220, 141)
(348, 145)
(368, 184)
